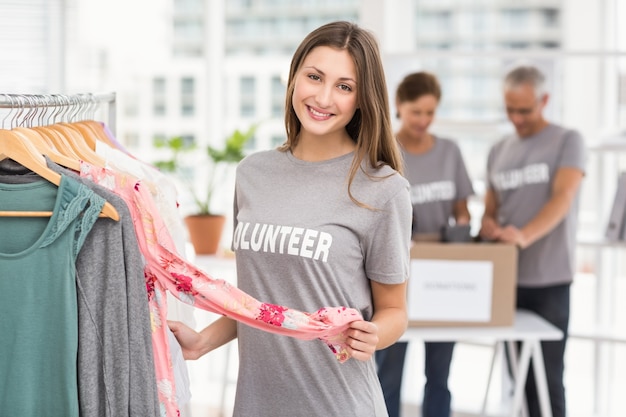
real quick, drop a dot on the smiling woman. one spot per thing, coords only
(323, 220)
(324, 100)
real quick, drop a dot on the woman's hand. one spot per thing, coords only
(511, 234)
(362, 339)
(195, 344)
(190, 341)
(490, 229)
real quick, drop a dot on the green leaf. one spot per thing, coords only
(165, 166)
(232, 151)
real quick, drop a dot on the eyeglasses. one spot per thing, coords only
(524, 111)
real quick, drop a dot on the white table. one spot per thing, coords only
(528, 328)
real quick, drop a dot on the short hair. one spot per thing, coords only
(526, 74)
(416, 85)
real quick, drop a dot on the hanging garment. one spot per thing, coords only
(161, 187)
(165, 196)
(115, 359)
(38, 307)
(165, 270)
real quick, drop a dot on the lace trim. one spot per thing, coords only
(75, 199)
(87, 219)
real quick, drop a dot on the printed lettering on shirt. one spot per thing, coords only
(271, 238)
(432, 192)
(516, 178)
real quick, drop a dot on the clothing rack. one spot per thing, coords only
(41, 109)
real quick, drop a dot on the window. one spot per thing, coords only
(551, 18)
(187, 96)
(188, 140)
(158, 85)
(276, 141)
(278, 97)
(131, 105)
(159, 96)
(434, 22)
(549, 45)
(131, 140)
(158, 138)
(189, 6)
(622, 89)
(188, 50)
(515, 19)
(188, 29)
(247, 95)
(251, 144)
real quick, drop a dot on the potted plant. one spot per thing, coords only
(204, 225)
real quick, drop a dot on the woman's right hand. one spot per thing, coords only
(190, 341)
(490, 229)
(195, 344)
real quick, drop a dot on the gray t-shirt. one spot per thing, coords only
(300, 241)
(438, 179)
(521, 172)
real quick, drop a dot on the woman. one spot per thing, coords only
(333, 195)
(440, 187)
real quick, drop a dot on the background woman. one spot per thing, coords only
(440, 187)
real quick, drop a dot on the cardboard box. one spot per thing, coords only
(462, 284)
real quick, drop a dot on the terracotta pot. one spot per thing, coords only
(205, 232)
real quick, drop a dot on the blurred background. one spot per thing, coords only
(198, 69)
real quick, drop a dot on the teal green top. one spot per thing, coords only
(38, 310)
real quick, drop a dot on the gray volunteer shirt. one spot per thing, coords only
(521, 172)
(300, 241)
(438, 179)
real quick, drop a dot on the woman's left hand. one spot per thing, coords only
(362, 339)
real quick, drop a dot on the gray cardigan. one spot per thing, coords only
(116, 374)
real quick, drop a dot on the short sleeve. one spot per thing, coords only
(464, 187)
(490, 159)
(386, 248)
(235, 213)
(573, 154)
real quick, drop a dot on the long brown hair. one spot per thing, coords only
(370, 127)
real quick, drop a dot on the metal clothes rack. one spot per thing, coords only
(56, 107)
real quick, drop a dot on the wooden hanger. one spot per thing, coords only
(78, 113)
(59, 142)
(81, 140)
(78, 145)
(99, 131)
(87, 133)
(14, 147)
(35, 137)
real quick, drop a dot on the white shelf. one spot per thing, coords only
(600, 242)
(615, 142)
(600, 335)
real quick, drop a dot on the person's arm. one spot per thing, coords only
(461, 212)
(387, 325)
(196, 344)
(490, 229)
(566, 184)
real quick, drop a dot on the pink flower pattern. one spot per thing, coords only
(184, 284)
(272, 314)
